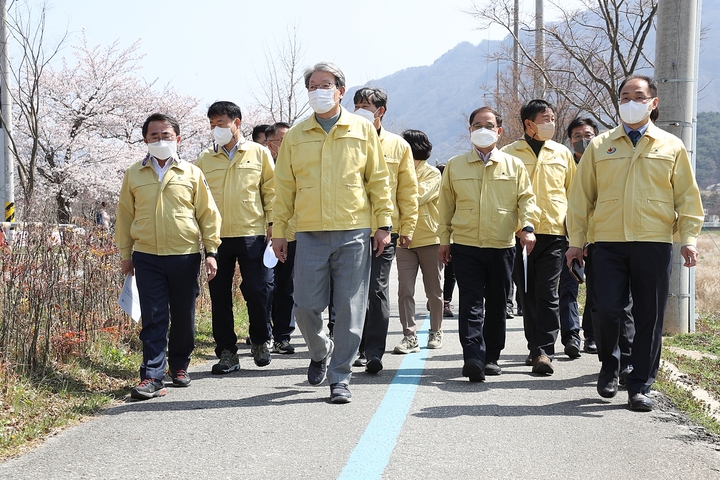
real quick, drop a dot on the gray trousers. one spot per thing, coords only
(342, 257)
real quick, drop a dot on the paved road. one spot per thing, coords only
(417, 419)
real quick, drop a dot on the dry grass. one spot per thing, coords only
(707, 273)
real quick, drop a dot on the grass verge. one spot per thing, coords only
(701, 372)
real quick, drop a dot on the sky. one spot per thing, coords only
(216, 49)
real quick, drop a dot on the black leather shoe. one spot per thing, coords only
(572, 349)
(492, 368)
(607, 385)
(590, 346)
(624, 374)
(374, 365)
(474, 371)
(640, 402)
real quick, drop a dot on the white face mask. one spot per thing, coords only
(634, 112)
(322, 101)
(163, 149)
(545, 131)
(370, 116)
(483, 138)
(222, 136)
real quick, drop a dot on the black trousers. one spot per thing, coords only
(283, 322)
(541, 311)
(627, 327)
(641, 271)
(483, 278)
(377, 317)
(167, 286)
(448, 282)
(569, 313)
(256, 287)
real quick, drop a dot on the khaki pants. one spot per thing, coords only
(408, 261)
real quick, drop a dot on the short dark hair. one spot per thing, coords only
(270, 131)
(419, 144)
(531, 110)
(579, 122)
(262, 128)
(652, 86)
(218, 109)
(371, 95)
(498, 117)
(160, 117)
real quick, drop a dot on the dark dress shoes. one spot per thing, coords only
(607, 384)
(640, 402)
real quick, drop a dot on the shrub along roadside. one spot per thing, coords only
(35, 406)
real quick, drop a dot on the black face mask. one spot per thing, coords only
(580, 146)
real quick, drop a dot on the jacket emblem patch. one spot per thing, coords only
(611, 150)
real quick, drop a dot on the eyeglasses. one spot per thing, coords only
(639, 99)
(478, 126)
(324, 86)
(587, 136)
(165, 136)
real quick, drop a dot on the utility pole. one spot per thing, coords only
(676, 71)
(516, 51)
(8, 167)
(539, 49)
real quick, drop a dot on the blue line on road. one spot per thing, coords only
(372, 453)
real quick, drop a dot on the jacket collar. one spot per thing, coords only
(312, 123)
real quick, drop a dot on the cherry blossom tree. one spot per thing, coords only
(78, 124)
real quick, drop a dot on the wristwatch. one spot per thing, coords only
(528, 229)
(211, 254)
(387, 229)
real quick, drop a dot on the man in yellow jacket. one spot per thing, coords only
(551, 168)
(637, 184)
(240, 175)
(331, 175)
(371, 103)
(165, 206)
(485, 195)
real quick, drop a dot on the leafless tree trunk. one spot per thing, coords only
(35, 56)
(282, 98)
(590, 49)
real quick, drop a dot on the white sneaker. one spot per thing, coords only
(434, 339)
(409, 344)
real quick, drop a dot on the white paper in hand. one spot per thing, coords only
(269, 258)
(129, 299)
(525, 265)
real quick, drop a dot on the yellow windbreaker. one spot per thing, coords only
(635, 194)
(428, 178)
(242, 188)
(482, 205)
(331, 181)
(551, 174)
(168, 217)
(403, 182)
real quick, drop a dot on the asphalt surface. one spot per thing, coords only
(270, 423)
